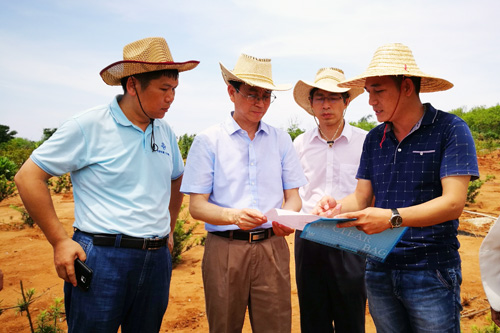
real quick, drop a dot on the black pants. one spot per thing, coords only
(331, 288)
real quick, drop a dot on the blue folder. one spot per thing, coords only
(376, 246)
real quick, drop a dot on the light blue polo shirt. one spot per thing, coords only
(242, 173)
(119, 184)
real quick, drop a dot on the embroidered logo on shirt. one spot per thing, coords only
(163, 149)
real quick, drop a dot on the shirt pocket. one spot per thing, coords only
(422, 152)
(347, 179)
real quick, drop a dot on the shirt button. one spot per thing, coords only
(399, 150)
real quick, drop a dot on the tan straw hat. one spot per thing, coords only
(143, 56)
(254, 72)
(326, 79)
(397, 59)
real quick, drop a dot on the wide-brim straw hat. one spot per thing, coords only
(146, 55)
(326, 79)
(253, 71)
(397, 59)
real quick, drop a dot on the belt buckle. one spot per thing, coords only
(152, 243)
(256, 236)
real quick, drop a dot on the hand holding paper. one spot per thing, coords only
(296, 220)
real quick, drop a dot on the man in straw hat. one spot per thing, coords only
(126, 171)
(235, 171)
(416, 166)
(330, 282)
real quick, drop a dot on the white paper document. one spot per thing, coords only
(296, 220)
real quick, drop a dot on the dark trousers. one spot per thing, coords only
(331, 288)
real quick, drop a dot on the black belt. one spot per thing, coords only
(250, 236)
(128, 241)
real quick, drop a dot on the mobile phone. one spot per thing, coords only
(83, 275)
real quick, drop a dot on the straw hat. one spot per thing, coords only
(397, 59)
(254, 72)
(326, 79)
(143, 56)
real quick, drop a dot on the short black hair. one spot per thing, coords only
(398, 79)
(345, 95)
(236, 84)
(145, 78)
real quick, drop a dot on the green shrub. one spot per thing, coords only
(293, 129)
(474, 186)
(490, 328)
(7, 188)
(185, 142)
(18, 150)
(47, 319)
(182, 238)
(27, 220)
(7, 168)
(365, 123)
(58, 184)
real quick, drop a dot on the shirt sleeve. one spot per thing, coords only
(293, 174)
(177, 161)
(64, 151)
(459, 156)
(199, 171)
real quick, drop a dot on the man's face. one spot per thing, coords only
(383, 96)
(250, 103)
(328, 107)
(158, 96)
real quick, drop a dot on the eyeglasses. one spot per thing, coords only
(267, 98)
(331, 99)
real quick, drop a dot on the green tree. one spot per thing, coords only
(365, 123)
(17, 150)
(6, 134)
(185, 141)
(47, 133)
(484, 124)
(293, 129)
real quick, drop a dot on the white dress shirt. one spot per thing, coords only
(329, 170)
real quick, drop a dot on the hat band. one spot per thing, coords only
(251, 76)
(327, 77)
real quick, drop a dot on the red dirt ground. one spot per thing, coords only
(26, 255)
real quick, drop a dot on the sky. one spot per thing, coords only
(51, 52)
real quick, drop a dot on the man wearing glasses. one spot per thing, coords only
(330, 282)
(235, 172)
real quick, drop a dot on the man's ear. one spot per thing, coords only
(231, 91)
(408, 86)
(131, 85)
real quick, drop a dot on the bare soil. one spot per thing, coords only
(26, 255)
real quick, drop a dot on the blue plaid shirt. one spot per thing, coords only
(409, 173)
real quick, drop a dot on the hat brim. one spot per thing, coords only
(113, 74)
(256, 82)
(303, 88)
(428, 83)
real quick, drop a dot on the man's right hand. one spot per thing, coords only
(327, 207)
(65, 253)
(248, 218)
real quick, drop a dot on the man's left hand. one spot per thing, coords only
(281, 230)
(370, 220)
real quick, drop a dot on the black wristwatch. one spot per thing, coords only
(396, 219)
